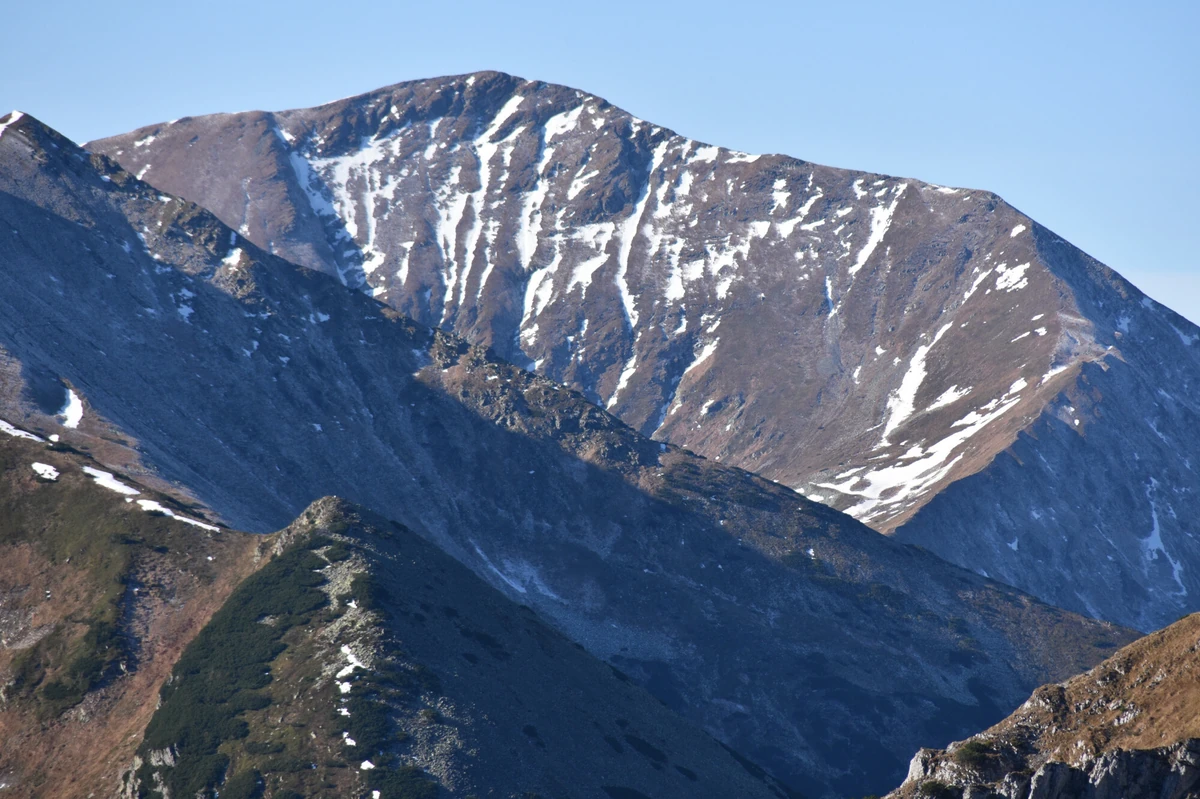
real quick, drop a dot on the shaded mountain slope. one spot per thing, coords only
(914, 354)
(790, 631)
(1130, 727)
(397, 670)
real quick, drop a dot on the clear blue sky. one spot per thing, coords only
(1082, 114)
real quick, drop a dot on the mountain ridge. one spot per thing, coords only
(907, 352)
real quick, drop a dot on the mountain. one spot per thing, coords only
(1129, 728)
(928, 359)
(137, 325)
(389, 653)
(394, 669)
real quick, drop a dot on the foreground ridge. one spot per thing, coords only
(1128, 727)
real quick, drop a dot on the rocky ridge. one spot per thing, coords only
(397, 670)
(1128, 728)
(927, 358)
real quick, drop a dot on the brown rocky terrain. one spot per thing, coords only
(98, 598)
(1129, 727)
(927, 358)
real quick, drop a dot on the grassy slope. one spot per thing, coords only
(97, 598)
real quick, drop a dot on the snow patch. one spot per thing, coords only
(13, 119)
(1011, 279)
(17, 432)
(45, 470)
(72, 411)
(901, 404)
(881, 220)
(150, 506)
(106, 480)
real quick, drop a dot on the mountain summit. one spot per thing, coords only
(927, 358)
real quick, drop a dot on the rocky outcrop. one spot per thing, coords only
(1170, 772)
(1128, 728)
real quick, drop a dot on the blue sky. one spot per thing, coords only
(1083, 115)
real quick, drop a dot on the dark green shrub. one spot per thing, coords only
(972, 754)
(221, 672)
(406, 782)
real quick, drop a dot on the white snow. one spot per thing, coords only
(354, 663)
(150, 505)
(45, 470)
(1016, 231)
(705, 353)
(1053, 371)
(367, 765)
(1152, 545)
(1011, 279)
(16, 432)
(13, 119)
(881, 220)
(623, 380)
(233, 258)
(486, 150)
(580, 182)
(780, 194)
(976, 284)
(920, 468)
(628, 230)
(596, 236)
(900, 405)
(106, 480)
(72, 411)
(949, 396)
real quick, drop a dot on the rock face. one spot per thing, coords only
(1170, 772)
(818, 648)
(1130, 727)
(928, 359)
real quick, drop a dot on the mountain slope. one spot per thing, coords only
(914, 354)
(808, 642)
(105, 599)
(397, 670)
(100, 590)
(1129, 727)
